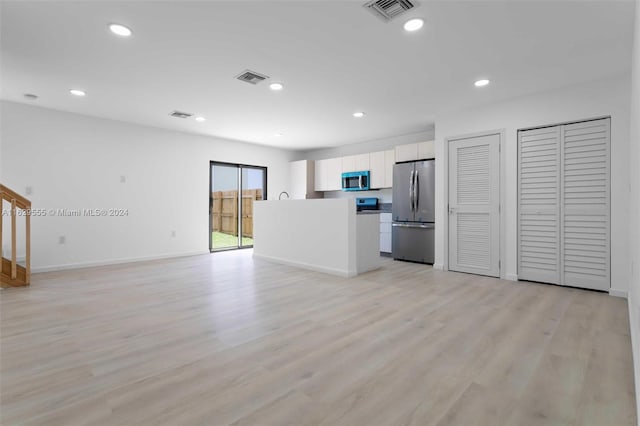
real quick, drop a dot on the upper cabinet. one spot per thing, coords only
(377, 169)
(415, 151)
(302, 180)
(389, 162)
(349, 164)
(363, 162)
(334, 174)
(406, 152)
(381, 167)
(328, 174)
(320, 183)
(426, 151)
(356, 163)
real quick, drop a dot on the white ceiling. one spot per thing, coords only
(334, 58)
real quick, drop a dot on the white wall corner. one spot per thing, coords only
(511, 277)
(438, 266)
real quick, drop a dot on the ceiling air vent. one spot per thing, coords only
(251, 77)
(389, 9)
(180, 114)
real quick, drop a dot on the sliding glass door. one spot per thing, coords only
(234, 188)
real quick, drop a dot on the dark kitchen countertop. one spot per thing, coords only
(382, 208)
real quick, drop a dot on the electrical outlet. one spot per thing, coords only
(123, 179)
(173, 234)
(62, 239)
(28, 190)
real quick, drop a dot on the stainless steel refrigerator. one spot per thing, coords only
(413, 207)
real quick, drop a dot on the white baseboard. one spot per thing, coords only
(511, 277)
(108, 262)
(438, 266)
(309, 266)
(618, 293)
(633, 328)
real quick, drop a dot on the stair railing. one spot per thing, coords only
(17, 202)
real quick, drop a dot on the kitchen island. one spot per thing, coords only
(324, 235)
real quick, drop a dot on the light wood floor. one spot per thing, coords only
(226, 339)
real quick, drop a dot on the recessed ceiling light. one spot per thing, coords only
(200, 119)
(77, 92)
(276, 86)
(120, 30)
(413, 24)
(481, 83)
(30, 96)
(358, 114)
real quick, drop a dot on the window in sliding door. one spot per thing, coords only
(254, 185)
(234, 188)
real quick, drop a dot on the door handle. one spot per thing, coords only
(411, 189)
(416, 189)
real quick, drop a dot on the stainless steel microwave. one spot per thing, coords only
(355, 181)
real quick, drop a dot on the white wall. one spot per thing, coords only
(634, 204)
(75, 162)
(601, 98)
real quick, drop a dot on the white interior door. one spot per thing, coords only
(585, 205)
(539, 205)
(474, 203)
(563, 205)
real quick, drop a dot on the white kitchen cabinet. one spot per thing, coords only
(334, 174)
(407, 152)
(415, 151)
(302, 180)
(389, 161)
(385, 232)
(362, 162)
(298, 179)
(377, 167)
(328, 174)
(349, 164)
(426, 150)
(355, 163)
(381, 167)
(320, 183)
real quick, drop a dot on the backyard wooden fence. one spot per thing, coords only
(224, 211)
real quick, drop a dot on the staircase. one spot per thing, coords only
(14, 275)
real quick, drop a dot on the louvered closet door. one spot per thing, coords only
(539, 205)
(474, 200)
(585, 201)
